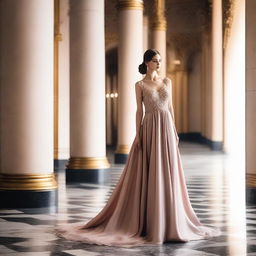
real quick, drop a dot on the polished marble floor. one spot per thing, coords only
(216, 188)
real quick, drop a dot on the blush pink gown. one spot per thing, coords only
(150, 203)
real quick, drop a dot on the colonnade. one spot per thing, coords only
(210, 83)
(27, 91)
(33, 119)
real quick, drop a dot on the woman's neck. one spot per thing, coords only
(153, 76)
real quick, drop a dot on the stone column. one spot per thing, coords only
(87, 92)
(203, 83)
(206, 87)
(26, 68)
(57, 39)
(181, 106)
(159, 27)
(62, 151)
(145, 33)
(217, 76)
(250, 101)
(130, 55)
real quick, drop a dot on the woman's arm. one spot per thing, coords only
(139, 112)
(169, 82)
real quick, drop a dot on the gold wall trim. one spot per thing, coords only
(129, 5)
(88, 163)
(251, 180)
(123, 149)
(28, 182)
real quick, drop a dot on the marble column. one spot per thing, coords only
(158, 35)
(57, 39)
(62, 96)
(203, 83)
(206, 88)
(217, 77)
(145, 33)
(234, 80)
(181, 102)
(26, 71)
(130, 55)
(250, 117)
(88, 160)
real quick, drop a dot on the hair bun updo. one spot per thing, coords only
(143, 68)
(148, 55)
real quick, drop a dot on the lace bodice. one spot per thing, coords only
(155, 99)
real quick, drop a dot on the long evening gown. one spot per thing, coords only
(150, 203)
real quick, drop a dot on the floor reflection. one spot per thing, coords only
(216, 186)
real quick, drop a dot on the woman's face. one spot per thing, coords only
(155, 63)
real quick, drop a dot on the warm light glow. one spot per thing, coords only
(176, 62)
(236, 206)
(112, 95)
(234, 139)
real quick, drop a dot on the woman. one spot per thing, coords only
(150, 203)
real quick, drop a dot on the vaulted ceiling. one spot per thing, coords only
(186, 20)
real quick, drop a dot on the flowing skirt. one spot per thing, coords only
(150, 203)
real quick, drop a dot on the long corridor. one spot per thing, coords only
(216, 185)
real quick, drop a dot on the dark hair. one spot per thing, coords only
(148, 55)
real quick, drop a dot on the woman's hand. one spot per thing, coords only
(176, 135)
(137, 141)
(177, 138)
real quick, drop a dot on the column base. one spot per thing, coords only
(28, 199)
(214, 145)
(250, 188)
(120, 158)
(251, 195)
(87, 169)
(197, 137)
(121, 154)
(28, 191)
(96, 176)
(191, 136)
(60, 164)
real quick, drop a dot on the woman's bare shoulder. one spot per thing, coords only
(168, 80)
(138, 83)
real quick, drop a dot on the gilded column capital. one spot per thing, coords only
(159, 19)
(130, 5)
